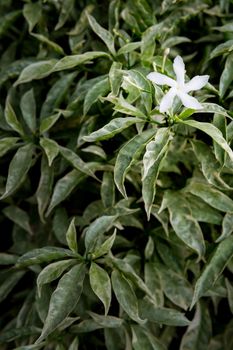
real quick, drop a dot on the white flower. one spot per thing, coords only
(179, 87)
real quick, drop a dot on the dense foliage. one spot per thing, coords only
(116, 219)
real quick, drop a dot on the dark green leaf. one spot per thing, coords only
(101, 285)
(64, 299)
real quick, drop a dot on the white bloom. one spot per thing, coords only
(179, 87)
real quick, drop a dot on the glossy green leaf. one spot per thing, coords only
(51, 44)
(6, 144)
(126, 296)
(51, 149)
(105, 247)
(53, 271)
(45, 254)
(211, 196)
(12, 119)
(221, 124)
(37, 70)
(28, 108)
(129, 47)
(222, 48)
(66, 10)
(162, 315)
(107, 191)
(213, 132)
(18, 169)
(125, 107)
(18, 216)
(101, 285)
(48, 122)
(229, 294)
(115, 77)
(64, 187)
(127, 156)
(44, 190)
(106, 321)
(8, 259)
(73, 61)
(102, 33)
(175, 287)
(101, 88)
(155, 152)
(96, 230)
(183, 223)
(226, 76)
(199, 332)
(114, 127)
(154, 283)
(71, 236)
(227, 227)
(76, 161)
(32, 12)
(142, 338)
(64, 299)
(213, 268)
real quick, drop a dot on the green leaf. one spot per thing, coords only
(102, 33)
(206, 108)
(48, 122)
(126, 296)
(7, 21)
(162, 315)
(153, 282)
(143, 339)
(54, 97)
(101, 88)
(73, 61)
(227, 227)
(53, 271)
(64, 187)
(37, 70)
(105, 247)
(199, 332)
(211, 196)
(155, 152)
(6, 144)
(213, 268)
(75, 344)
(28, 108)
(183, 223)
(209, 165)
(9, 283)
(96, 230)
(115, 77)
(226, 76)
(115, 126)
(129, 47)
(125, 107)
(12, 119)
(76, 161)
(44, 190)
(226, 47)
(107, 191)
(8, 259)
(213, 132)
(18, 216)
(18, 169)
(64, 299)
(12, 334)
(46, 254)
(32, 13)
(229, 294)
(101, 285)
(51, 44)
(71, 236)
(66, 8)
(106, 321)
(175, 287)
(51, 149)
(221, 124)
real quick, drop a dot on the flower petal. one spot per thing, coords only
(161, 79)
(189, 101)
(179, 69)
(196, 83)
(167, 100)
